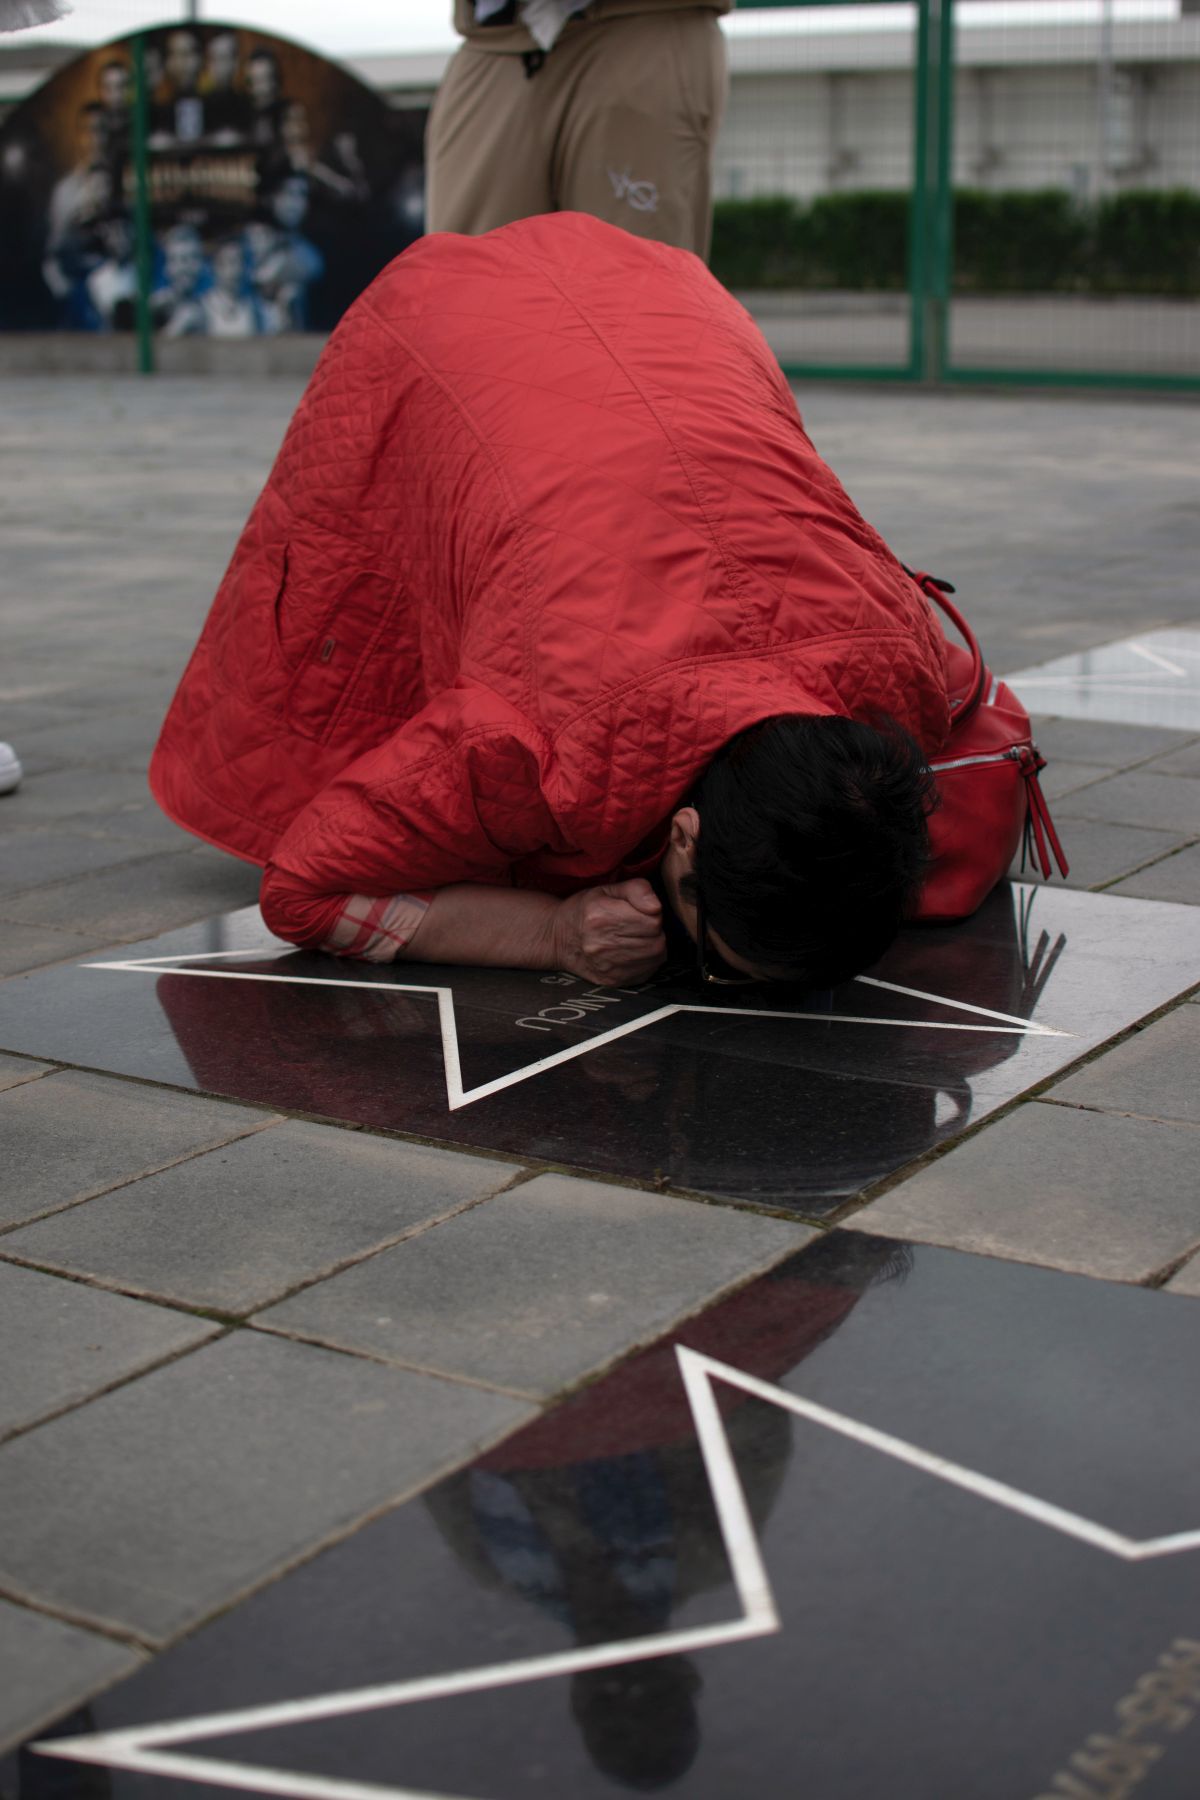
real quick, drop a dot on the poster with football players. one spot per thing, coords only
(279, 186)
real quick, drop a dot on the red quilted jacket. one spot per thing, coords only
(545, 530)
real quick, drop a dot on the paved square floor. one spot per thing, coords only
(883, 1503)
(280, 1279)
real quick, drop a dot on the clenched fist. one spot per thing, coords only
(611, 935)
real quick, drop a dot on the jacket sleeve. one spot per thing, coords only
(455, 795)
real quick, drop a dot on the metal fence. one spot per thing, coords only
(1010, 201)
(926, 191)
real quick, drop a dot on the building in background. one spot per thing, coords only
(830, 110)
(1070, 244)
(1037, 105)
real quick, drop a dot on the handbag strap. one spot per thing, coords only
(939, 591)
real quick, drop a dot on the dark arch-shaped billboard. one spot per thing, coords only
(279, 186)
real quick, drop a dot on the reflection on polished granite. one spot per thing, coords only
(1153, 679)
(791, 1100)
(948, 1545)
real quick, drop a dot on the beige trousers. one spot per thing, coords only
(620, 121)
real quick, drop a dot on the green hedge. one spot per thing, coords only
(1147, 243)
(1141, 242)
(1008, 243)
(860, 240)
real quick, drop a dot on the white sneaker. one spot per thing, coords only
(10, 769)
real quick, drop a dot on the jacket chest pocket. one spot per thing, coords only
(326, 640)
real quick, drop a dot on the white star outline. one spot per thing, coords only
(147, 1749)
(459, 1096)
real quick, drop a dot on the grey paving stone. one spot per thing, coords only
(542, 1285)
(1156, 1072)
(143, 825)
(1099, 853)
(123, 738)
(1167, 802)
(136, 685)
(74, 1134)
(50, 1668)
(206, 1477)
(85, 794)
(61, 1342)
(1061, 777)
(240, 1226)
(1187, 1281)
(24, 947)
(1097, 741)
(168, 889)
(1179, 762)
(1176, 877)
(31, 859)
(16, 1070)
(24, 717)
(1082, 1191)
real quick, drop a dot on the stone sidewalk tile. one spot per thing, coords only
(206, 1477)
(35, 858)
(24, 717)
(72, 1134)
(90, 688)
(15, 1070)
(1187, 1280)
(49, 1668)
(171, 889)
(90, 795)
(1087, 1192)
(61, 1342)
(120, 739)
(1060, 778)
(1176, 877)
(1099, 852)
(1179, 762)
(143, 825)
(541, 1286)
(1166, 802)
(25, 947)
(1098, 741)
(239, 1227)
(1156, 1072)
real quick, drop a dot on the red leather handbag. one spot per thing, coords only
(987, 771)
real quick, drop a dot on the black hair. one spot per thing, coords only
(813, 843)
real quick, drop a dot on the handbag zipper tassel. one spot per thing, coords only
(1038, 817)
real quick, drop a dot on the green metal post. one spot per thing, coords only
(941, 258)
(142, 241)
(918, 211)
(931, 225)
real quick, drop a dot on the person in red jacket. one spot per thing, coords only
(551, 635)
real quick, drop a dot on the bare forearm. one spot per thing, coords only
(492, 927)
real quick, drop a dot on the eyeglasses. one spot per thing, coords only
(712, 967)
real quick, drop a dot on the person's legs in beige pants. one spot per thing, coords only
(487, 153)
(620, 121)
(636, 141)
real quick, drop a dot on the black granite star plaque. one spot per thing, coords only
(793, 1100)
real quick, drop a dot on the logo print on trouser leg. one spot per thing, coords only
(641, 195)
